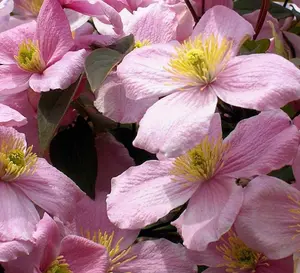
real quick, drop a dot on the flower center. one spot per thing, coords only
(238, 256)
(199, 61)
(117, 256)
(202, 162)
(59, 266)
(29, 57)
(31, 6)
(15, 160)
(139, 44)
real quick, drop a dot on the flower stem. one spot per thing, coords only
(193, 12)
(262, 17)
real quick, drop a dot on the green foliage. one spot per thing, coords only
(246, 6)
(99, 64)
(251, 46)
(124, 45)
(73, 152)
(51, 109)
(285, 173)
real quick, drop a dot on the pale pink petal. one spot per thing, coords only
(91, 216)
(261, 144)
(266, 30)
(11, 250)
(158, 256)
(266, 222)
(61, 74)
(10, 117)
(211, 212)
(76, 19)
(84, 255)
(51, 190)
(11, 39)
(111, 100)
(6, 7)
(296, 169)
(143, 72)
(294, 40)
(13, 79)
(159, 15)
(113, 159)
(278, 266)
(143, 194)
(18, 215)
(176, 123)
(53, 32)
(221, 22)
(258, 83)
(98, 9)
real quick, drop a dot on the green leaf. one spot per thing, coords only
(251, 46)
(98, 65)
(73, 152)
(246, 6)
(285, 174)
(202, 268)
(51, 109)
(124, 45)
(296, 62)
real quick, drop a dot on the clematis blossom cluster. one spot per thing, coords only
(149, 136)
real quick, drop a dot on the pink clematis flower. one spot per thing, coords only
(202, 6)
(10, 117)
(38, 54)
(111, 97)
(71, 254)
(231, 254)
(6, 7)
(26, 181)
(192, 76)
(205, 176)
(269, 218)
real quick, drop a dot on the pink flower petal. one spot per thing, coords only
(11, 250)
(53, 32)
(258, 83)
(76, 19)
(10, 117)
(18, 215)
(13, 79)
(265, 222)
(143, 194)
(222, 21)
(113, 159)
(211, 212)
(92, 216)
(158, 256)
(84, 255)
(51, 190)
(143, 72)
(261, 144)
(111, 100)
(296, 169)
(45, 250)
(158, 15)
(176, 123)
(11, 39)
(61, 74)
(294, 40)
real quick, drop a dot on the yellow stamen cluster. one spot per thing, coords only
(139, 44)
(59, 266)
(199, 61)
(29, 57)
(32, 6)
(238, 257)
(117, 257)
(202, 162)
(16, 160)
(295, 215)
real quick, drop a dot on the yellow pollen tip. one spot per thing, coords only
(199, 61)
(16, 160)
(238, 257)
(59, 266)
(139, 44)
(29, 57)
(202, 162)
(116, 254)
